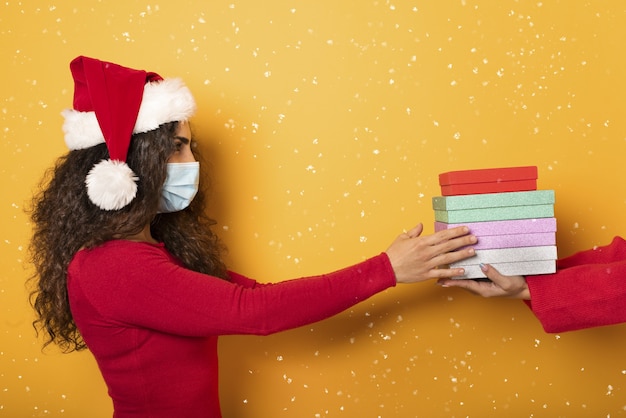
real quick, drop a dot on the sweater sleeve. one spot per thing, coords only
(588, 290)
(155, 292)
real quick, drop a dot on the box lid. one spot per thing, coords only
(493, 200)
(488, 175)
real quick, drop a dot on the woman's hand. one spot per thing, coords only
(514, 287)
(415, 258)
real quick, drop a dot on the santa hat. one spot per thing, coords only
(111, 103)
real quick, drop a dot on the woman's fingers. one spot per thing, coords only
(416, 231)
(449, 257)
(498, 286)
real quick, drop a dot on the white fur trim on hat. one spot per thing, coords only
(163, 101)
(111, 184)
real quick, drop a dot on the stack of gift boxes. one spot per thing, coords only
(513, 221)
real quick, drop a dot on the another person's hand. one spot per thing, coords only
(416, 258)
(514, 287)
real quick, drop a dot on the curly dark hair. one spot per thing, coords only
(65, 220)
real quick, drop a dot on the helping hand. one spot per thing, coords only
(500, 286)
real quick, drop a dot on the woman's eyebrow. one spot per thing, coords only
(183, 139)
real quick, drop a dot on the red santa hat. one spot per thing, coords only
(111, 103)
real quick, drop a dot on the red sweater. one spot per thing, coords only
(152, 325)
(588, 290)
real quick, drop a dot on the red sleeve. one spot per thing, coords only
(588, 290)
(241, 280)
(146, 287)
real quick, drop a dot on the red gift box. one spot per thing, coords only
(491, 180)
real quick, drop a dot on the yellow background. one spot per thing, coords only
(326, 124)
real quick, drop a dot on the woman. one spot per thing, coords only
(127, 265)
(587, 290)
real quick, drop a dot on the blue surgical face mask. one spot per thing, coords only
(180, 187)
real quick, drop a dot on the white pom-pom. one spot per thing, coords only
(111, 185)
